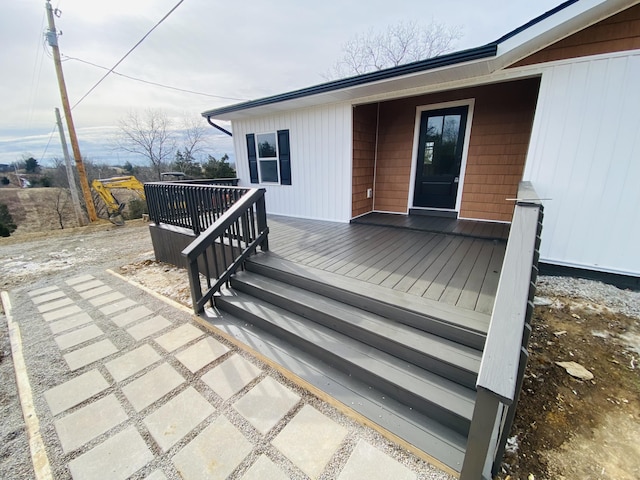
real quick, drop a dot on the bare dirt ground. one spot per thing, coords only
(565, 427)
(571, 428)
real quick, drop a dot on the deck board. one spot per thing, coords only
(469, 228)
(457, 270)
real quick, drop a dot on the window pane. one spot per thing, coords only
(434, 127)
(269, 171)
(266, 145)
(451, 129)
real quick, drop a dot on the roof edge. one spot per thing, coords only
(478, 53)
(536, 20)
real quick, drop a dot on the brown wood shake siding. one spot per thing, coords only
(500, 133)
(364, 147)
(618, 33)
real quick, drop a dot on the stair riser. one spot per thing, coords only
(410, 399)
(385, 344)
(430, 325)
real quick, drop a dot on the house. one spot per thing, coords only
(555, 102)
(420, 334)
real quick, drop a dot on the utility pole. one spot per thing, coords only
(52, 39)
(82, 221)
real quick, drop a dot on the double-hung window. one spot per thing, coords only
(269, 157)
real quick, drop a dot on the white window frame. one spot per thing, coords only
(468, 102)
(268, 159)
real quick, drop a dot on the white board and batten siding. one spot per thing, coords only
(320, 142)
(584, 157)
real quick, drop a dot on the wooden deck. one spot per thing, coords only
(456, 270)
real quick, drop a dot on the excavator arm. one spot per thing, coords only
(103, 188)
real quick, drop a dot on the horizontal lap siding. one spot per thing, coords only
(502, 119)
(618, 33)
(321, 142)
(364, 150)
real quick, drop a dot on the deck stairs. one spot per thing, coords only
(403, 362)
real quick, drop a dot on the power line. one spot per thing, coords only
(48, 142)
(150, 82)
(128, 53)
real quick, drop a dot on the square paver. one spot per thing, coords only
(172, 421)
(116, 459)
(214, 453)
(130, 316)
(55, 305)
(153, 385)
(370, 463)
(117, 306)
(103, 300)
(42, 291)
(77, 337)
(178, 337)
(148, 327)
(89, 354)
(231, 376)
(266, 404)
(70, 322)
(63, 313)
(83, 287)
(85, 424)
(264, 468)
(104, 289)
(48, 297)
(132, 362)
(309, 440)
(75, 391)
(80, 279)
(201, 354)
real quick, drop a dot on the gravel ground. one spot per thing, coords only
(29, 262)
(626, 302)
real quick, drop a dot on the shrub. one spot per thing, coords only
(7, 226)
(136, 208)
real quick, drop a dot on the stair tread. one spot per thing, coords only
(411, 378)
(441, 443)
(426, 343)
(377, 298)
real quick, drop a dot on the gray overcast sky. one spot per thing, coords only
(243, 50)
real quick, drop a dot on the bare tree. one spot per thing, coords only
(58, 203)
(194, 135)
(399, 44)
(148, 134)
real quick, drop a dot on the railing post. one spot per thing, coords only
(261, 211)
(480, 435)
(194, 283)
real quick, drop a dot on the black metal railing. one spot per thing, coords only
(223, 247)
(229, 182)
(190, 205)
(505, 355)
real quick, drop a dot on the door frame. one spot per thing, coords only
(468, 102)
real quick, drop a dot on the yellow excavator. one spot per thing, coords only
(103, 187)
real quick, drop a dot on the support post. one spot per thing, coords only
(261, 211)
(80, 216)
(479, 439)
(52, 38)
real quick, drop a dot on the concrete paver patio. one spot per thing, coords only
(139, 390)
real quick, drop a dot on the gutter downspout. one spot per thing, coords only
(219, 127)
